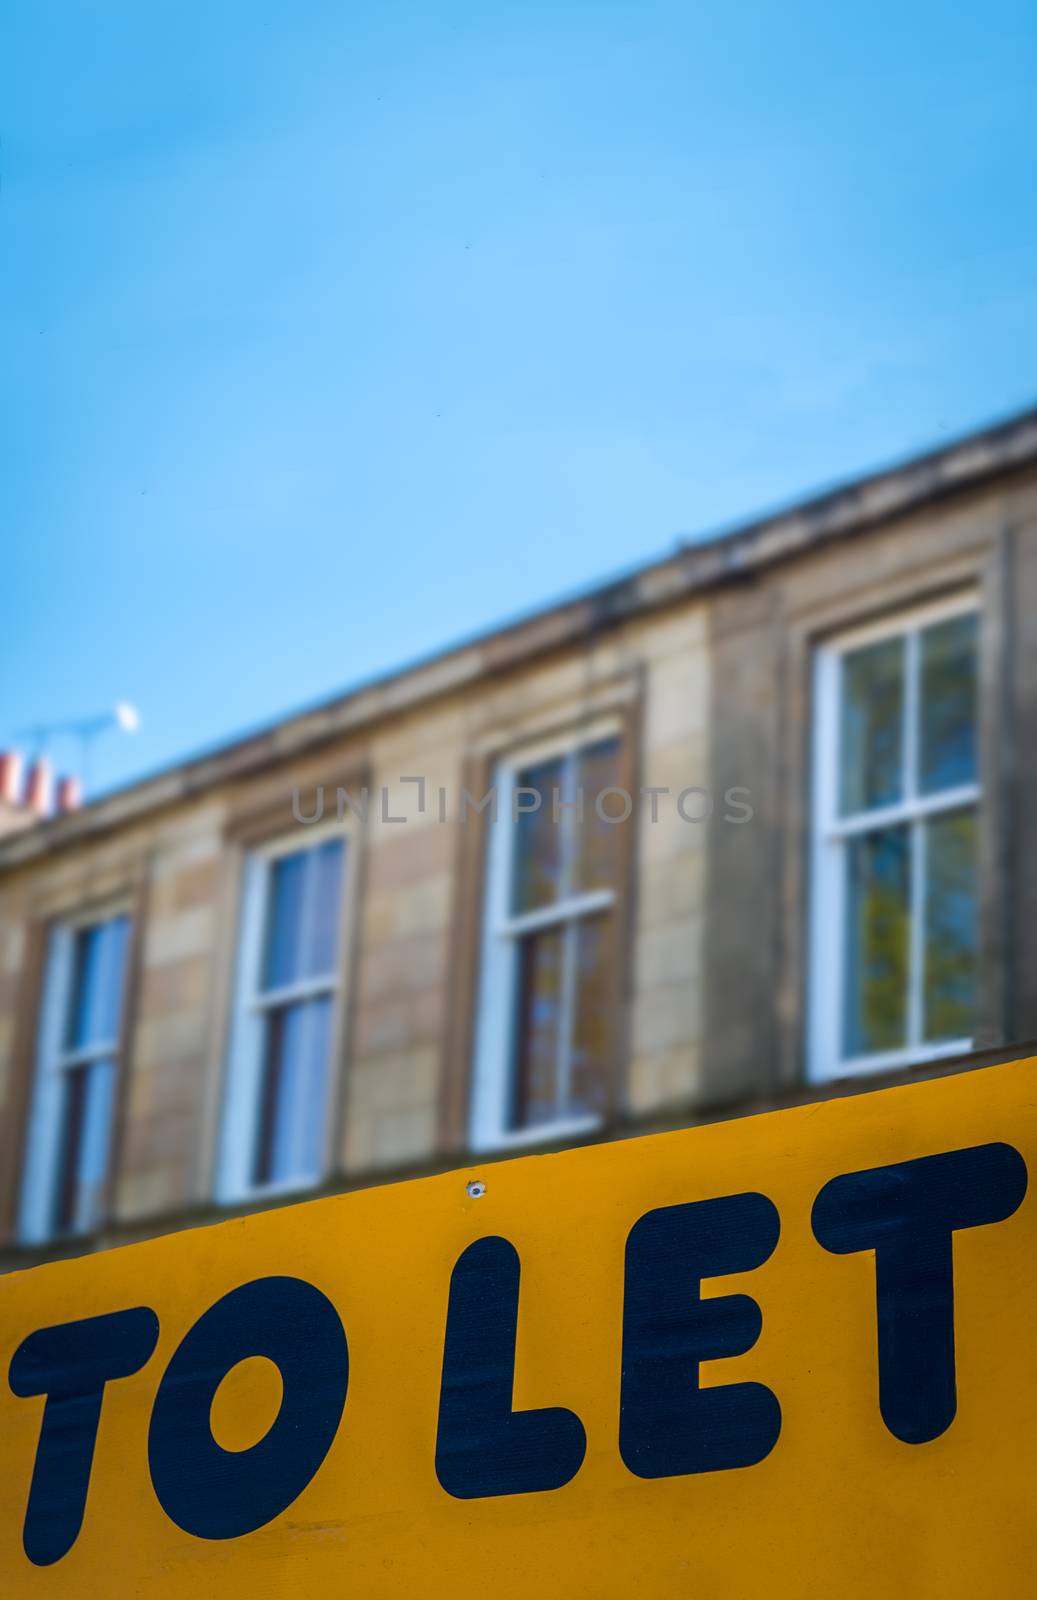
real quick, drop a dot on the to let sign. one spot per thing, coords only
(786, 1356)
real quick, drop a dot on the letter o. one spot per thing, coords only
(707, 813)
(219, 1494)
(628, 804)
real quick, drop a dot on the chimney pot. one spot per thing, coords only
(11, 765)
(69, 795)
(38, 787)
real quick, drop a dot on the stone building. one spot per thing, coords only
(756, 823)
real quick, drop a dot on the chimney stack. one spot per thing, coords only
(11, 765)
(24, 801)
(39, 787)
(69, 795)
(14, 810)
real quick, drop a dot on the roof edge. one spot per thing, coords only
(727, 555)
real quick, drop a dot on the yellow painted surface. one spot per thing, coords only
(839, 1509)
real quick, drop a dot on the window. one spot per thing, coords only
(276, 1113)
(896, 792)
(547, 983)
(67, 1150)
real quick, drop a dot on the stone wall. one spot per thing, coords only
(178, 873)
(714, 693)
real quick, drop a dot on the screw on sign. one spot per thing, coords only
(668, 1425)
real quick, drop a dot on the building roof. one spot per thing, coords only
(837, 513)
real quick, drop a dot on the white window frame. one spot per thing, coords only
(830, 833)
(240, 1107)
(501, 931)
(53, 1063)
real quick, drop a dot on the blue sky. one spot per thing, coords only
(331, 333)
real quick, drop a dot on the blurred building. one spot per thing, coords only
(754, 824)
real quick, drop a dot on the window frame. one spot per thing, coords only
(501, 931)
(830, 833)
(240, 1100)
(54, 1062)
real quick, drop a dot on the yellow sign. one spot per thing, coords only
(787, 1356)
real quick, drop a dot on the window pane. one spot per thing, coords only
(947, 742)
(99, 960)
(594, 1011)
(878, 897)
(871, 727)
(82, 1165)
(293, 1095)
(540, 958)
(303, 916)
(321, 945)
(284, 921)
(73, 1111)
(950, 926)
(537, 877)
(598, 842)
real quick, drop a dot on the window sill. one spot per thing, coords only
(890, 1061)
(268, 1191)
(543, 1133)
